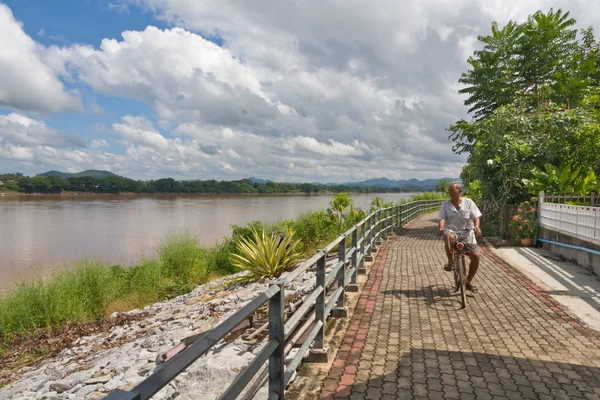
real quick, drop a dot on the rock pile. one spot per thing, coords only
(94, 366)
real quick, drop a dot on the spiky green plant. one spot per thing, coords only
(265, 256)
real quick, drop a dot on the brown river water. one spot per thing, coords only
(45, 232)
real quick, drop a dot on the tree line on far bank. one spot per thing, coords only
(116, 184)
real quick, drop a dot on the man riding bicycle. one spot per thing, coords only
(463, 214)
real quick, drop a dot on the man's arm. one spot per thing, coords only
(441, 219)
(441, 224)
(476, 222)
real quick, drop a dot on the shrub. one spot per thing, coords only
(524, 222)
(182, 259)
(265, 256)
(315, 230)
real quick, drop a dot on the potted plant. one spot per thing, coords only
(524, 222)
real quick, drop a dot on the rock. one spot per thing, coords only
(98, 379)
(59, 387)
(47, 396)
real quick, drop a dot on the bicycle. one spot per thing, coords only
(458, 264)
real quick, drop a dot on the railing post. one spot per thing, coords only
(353, 286)
(361, 268)
(340, 305)
(592, 199)
(369, 239)
(276, 332)
(385, 224)
(318, 352)
(378, 234)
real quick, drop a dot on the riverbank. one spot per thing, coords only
(127, 347)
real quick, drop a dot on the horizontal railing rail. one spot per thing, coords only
(592, 199)
(327, 298)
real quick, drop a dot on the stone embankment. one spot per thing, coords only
(122, 357)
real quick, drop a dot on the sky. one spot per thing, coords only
(303, 91)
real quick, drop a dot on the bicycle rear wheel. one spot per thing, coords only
(460, 266)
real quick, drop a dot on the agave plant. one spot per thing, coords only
(265, 256)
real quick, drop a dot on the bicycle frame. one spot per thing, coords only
(458, 267)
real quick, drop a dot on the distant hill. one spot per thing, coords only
(92, 173)
(258, 180)
(409, 184)
(427, 184)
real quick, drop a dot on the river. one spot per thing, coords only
(41, 233)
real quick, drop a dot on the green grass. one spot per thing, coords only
(90, 290)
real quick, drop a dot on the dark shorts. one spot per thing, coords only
(468, 249)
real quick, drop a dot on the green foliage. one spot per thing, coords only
(523, 224)
(353, 217)
(426, 196)
(316, 230)
(562, 179)
(442, 186)
(531, 63)
(475, 191)
(507, 145)
(338, 205)
(490, 83)
(219, 260)
(265, 256)
(378, 203)
(182, 259)
(80, 294)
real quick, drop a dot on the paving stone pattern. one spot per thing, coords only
(409, 339)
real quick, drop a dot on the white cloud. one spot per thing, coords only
(20, 130)
(98, 144)
(26, 83)
(138, 130)
(329, 91)
(185, 77)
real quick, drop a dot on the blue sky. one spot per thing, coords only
(223, 89)
(64, 22)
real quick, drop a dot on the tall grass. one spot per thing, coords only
(90, 290)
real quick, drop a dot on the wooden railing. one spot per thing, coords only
(327, 299)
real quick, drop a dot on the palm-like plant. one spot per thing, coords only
(265, 256)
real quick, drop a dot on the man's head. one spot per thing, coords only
(455, 189)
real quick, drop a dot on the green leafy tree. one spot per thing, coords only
(531, 63)
(547, 41)
(441, 186)
(337, 206)
(490, 82)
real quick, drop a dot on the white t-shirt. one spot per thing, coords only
(462, 218)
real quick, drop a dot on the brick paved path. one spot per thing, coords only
(409, 339)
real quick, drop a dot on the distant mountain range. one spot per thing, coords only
(92, 173)
(427, 184)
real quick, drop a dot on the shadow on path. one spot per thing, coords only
(441, 374)
(441, 298)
